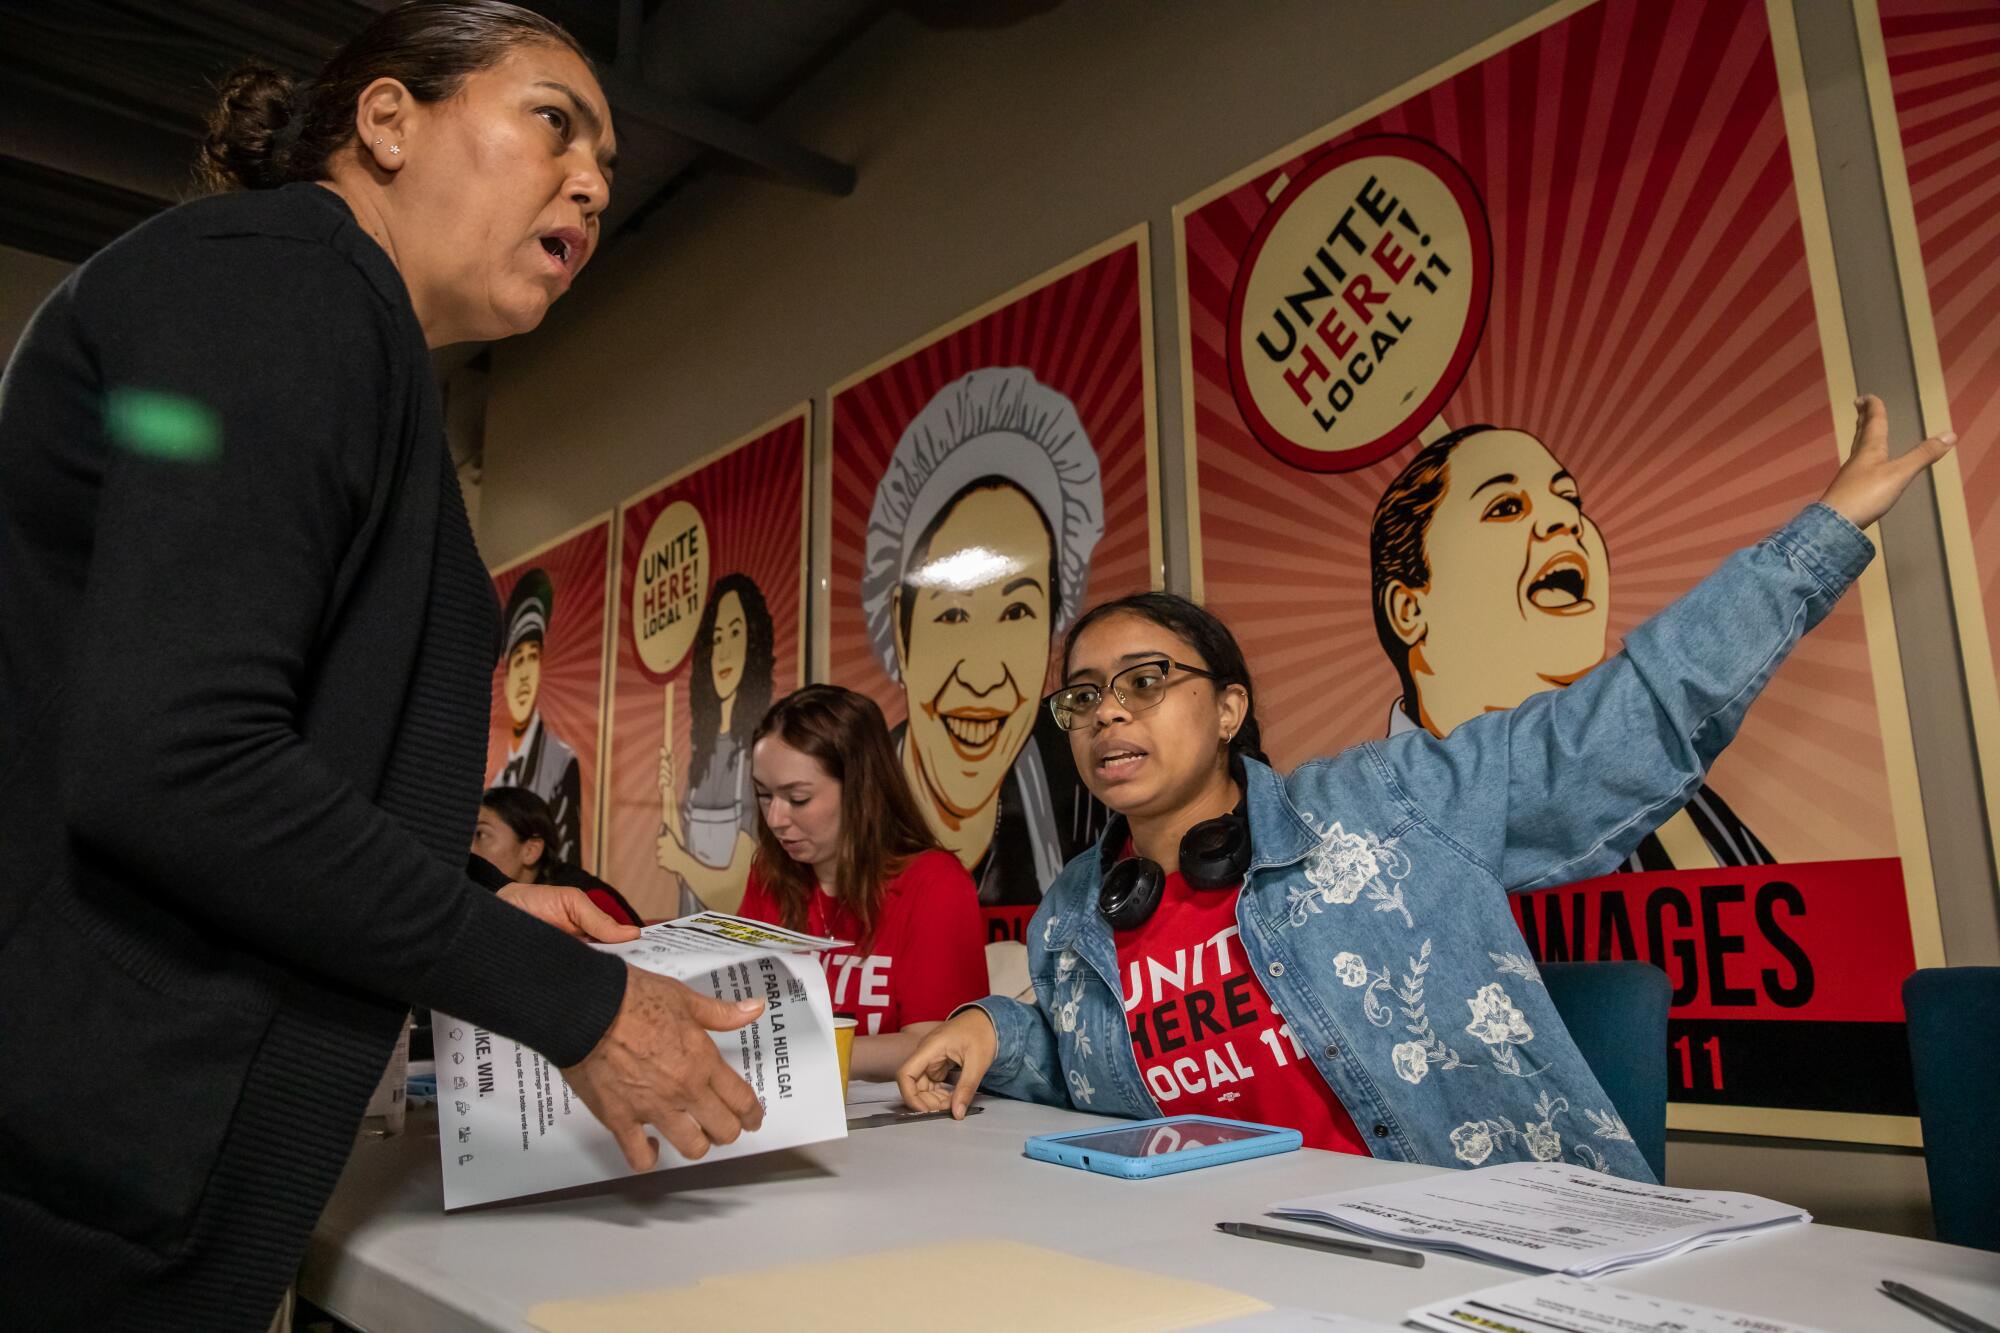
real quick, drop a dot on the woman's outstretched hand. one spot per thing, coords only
(965, 1045)
(1870, 482)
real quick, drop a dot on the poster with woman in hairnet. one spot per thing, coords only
(988, 483)
(709, 594)
(1485, 373)
(548, 690)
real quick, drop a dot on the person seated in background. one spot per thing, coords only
(843, 851)
(515, 842)
(1332, 950)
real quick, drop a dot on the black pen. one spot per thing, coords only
(1934, 1309)
(1355, 1249)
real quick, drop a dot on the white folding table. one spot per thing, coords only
(386, 1258)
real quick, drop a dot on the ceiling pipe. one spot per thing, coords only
(705, 125)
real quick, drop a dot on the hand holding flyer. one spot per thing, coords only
(658, 1065)
(509, 1125)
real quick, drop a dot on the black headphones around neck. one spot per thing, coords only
(1215, 854)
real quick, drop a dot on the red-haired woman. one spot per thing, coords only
(843, 851)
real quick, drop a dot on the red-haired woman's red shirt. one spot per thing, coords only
(928, 955)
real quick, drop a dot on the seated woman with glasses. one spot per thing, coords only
(1333, 951)
(842, 850)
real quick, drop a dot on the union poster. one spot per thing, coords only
(1933, 74)
(709, 601)
(548, 691)
(988, 483)
(1484, 374)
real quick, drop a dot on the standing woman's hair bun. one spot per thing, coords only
(267, 131)
(251, 131)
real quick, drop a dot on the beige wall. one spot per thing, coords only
(986, 156)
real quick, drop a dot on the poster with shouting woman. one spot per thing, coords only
(709, 595)
(1485, 373)
(986, 484)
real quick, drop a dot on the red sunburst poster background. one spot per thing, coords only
(1651, 320)
(1080, 331)
(752, 499)
(1944, 72)
(572, 693)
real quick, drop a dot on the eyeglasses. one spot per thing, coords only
(1136, 687)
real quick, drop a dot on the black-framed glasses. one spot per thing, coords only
(1137, 687)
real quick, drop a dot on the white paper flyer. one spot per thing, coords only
(1559, 1304)
(1546, 1215)
(508, 1125)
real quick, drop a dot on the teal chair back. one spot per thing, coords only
(1617, 1013)
(1954, 1018)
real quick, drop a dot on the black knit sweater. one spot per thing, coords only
(245, 647)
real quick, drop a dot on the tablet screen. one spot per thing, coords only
(1169, 1136)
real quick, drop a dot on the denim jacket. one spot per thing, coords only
(1374, 909)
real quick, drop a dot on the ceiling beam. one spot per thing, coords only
(48, 122)
(62, 215)
(725, 133)
(631, 95)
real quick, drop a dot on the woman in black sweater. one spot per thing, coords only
(245, 647)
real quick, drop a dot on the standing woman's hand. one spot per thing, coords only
(1870, 482)
(568, 910)
(659, 1066)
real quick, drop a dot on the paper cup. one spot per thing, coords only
(843, 1041)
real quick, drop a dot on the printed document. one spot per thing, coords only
(508, 1124)
(1546, 1215)
(1561, 1304)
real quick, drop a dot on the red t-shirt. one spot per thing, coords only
(1206, 1037)
(928, 956)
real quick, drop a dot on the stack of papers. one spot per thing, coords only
(1567, 1305)
(1546, 1216)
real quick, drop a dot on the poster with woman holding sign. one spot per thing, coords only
(1562, 305)
(548, 691)
(1932, 68)
(988, 483)
(711, 580)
